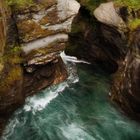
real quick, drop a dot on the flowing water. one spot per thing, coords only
(77, 109)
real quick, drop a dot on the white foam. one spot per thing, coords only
(75, 132)
(10, 128)
(40, 101)
(72, 59)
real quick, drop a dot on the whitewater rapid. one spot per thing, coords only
(77, 109)
(35, 104)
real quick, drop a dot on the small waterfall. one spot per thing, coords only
(74, 59)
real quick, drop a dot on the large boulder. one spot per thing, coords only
(106, 13)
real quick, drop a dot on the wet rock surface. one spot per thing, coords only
(32, 38)
(126, 90)
(111, 41)
(44, 75)
(96, 42)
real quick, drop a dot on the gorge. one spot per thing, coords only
(90, 93)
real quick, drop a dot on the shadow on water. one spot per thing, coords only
(73, 110)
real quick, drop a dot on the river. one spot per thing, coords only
(77, 109)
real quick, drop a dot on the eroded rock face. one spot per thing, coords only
(2, 30)
(96, 42)
(10, 86)
(45, 75)
(32, 38)
(43, 30)
(110, 38)
(126, 90)
(2, 25)
(8, 93)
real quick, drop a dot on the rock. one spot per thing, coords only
(125, 90)
(11, 72)
(45, 42)
(45, 29)
(110, 39)
(3, 31)
(44, 76)
(32, 36)
(96, 42)
(114, 44)
(107, 14)
(3, 23)
(47, 21)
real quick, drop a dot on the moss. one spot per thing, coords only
(35, 5)
(14, 74)
(91, 4)
(135, 4)
(13, 56)
(1, 66)
(30, 30)
(133, 24)
(20, 3)
(12, 71)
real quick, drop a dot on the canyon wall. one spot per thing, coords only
(106, 34)
(32, 34)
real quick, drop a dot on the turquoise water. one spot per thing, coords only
(77, 109)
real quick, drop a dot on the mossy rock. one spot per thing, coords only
(12, 70)
(29, 5)
(20, 3)
(14, 74)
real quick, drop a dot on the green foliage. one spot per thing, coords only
(12, 71)
(12, 55)
(19, 3)
(135, 4)
(134, 24)
(91, 4)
